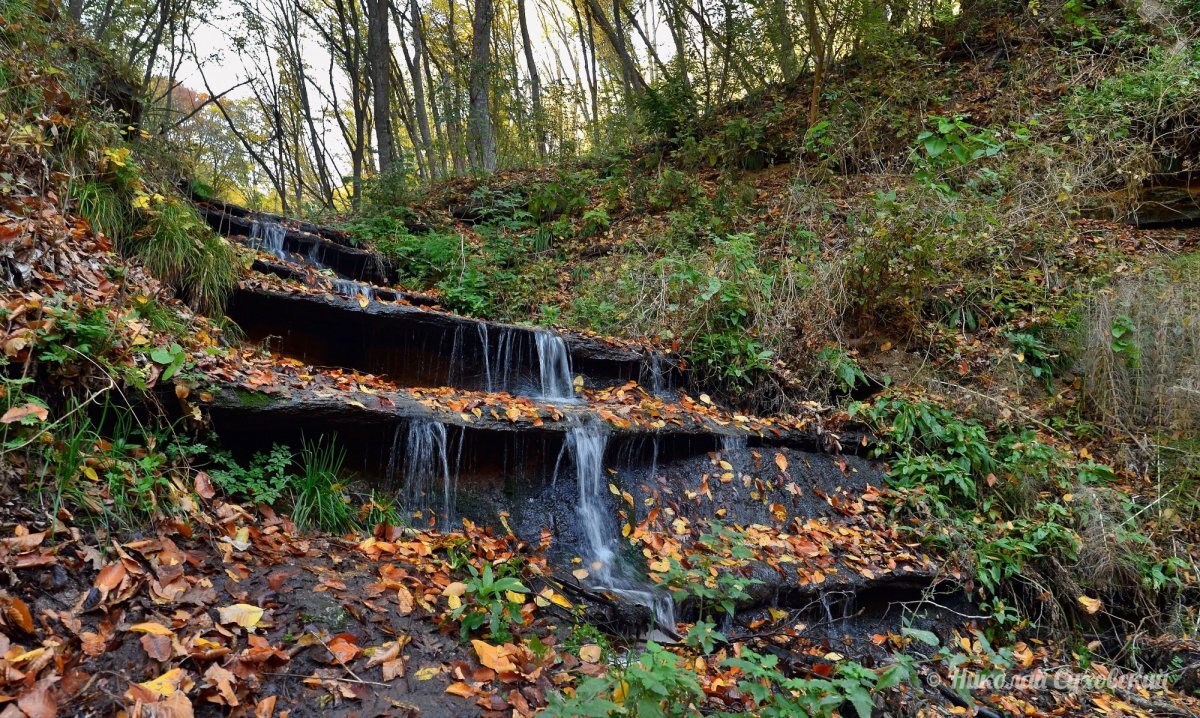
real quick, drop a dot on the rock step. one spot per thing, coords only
(321, 403)
(357, 264)
(416, 345)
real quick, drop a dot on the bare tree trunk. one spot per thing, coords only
(379, 60)
(75, 10)
(535, 83)
(414, 70)
(629, 70)
(816, 45)
(483, 141)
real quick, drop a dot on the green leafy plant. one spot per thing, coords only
(263, 481)
(490, 600)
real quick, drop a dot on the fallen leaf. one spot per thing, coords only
(494, 657)
(1090, 605)
(590, 653)
(20, 412)
(781, 461)
(243, 614)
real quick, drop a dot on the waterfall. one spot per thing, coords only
(554, 364)
(586, 444)
(268, 237)
(426, 465)
(656, 374)
(351, 288)
(732, 443)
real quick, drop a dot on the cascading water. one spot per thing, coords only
(554, 364)
(268, 237)
(656, 374)
(351, 288)
(586, 444)
(425, 465)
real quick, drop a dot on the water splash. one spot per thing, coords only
(554, 365)
(426, 468)
(268, 237)
(586, 445)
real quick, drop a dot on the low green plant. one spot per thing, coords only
(489, 600)
(319, 499)
(263, 481)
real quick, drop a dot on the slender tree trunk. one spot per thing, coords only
(816, 43)
(414, 70)
(379, 60)
(535, 83)
(629, 70)
(483, 141)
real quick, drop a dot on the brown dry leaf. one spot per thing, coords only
(1090, 605)
(20, 412)
(494, 657)
(38, 702)
(203, 486)
(157, 647)
(405, 598)
(590, 653)
(110, 577)
(224, 681)
(265, 707)
(781, 461)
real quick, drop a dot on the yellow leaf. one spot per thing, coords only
(612, 489)
(781, 461)
(428, 673)
(243, 614)
(705, 398)
(453, 602)
(155, 629)
(589, 653)
(1090, 605)
(514, 597)
(777, 614)
(580, 573)
(166, 684)
(90, 473)
(660, 566)
(494, 657)
(628, 497)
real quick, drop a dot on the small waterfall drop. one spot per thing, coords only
(351, 288)
(426, 465)
(656, 374)
(268, 237)
(586, 444)
(554, 363)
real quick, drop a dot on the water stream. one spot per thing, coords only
(585, 445)
(268, 237)
(422, 469)
(554, 367)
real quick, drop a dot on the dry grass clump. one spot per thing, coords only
(1140, 359)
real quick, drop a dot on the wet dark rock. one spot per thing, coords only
(358, 264)
(411, 345)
